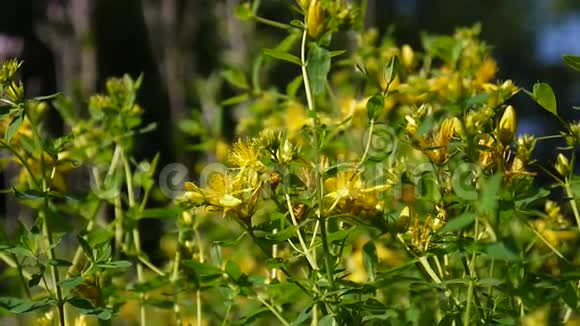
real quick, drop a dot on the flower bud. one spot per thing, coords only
(303, 4)
(187, 218)
(458, 127)
(563, 165)
(315, 19)
(407, 56)
(507, 126)
(573, 137)
(15, 92)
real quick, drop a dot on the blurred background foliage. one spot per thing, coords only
(180, 46)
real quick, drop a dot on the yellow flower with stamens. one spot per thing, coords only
(245, 155)
(347, 191)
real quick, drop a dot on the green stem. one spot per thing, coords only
(136, 236)
(305, 249)
(307, 89)
(570, 195)
(274, 311)
(51, 255)
(174, 279)
(368, 145)
(270, 22)
(468, 308)
(198, 291)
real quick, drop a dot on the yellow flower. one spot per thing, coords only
(295, 117)
(348, 192)
(437, 147)
(222, 191)
(81, 321)
(245, 155)
(486, 71)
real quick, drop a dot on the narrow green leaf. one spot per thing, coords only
(569, 295)
(319, 60)
(488, 200)
(19, 306)
(337, 53)
(458, 223)
(14, 126)
(284, 56)
(70, 283)
(202, 269)
(115, 264)
(572, 61)
(88, 250)
(233, 270)
(47, 97)
(370, 260)
(98, 236)
(391, 69)
(85, 307)
(236, 78)
(283, 235)
(302, 317)
(293, 86)
(236, 99)
(499, 251)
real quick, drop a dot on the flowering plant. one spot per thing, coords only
(382, 185)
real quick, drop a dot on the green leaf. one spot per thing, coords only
(337, 53)
(302, 317)
(391, 69)
(569, 295)
(31, 194)
(34, 279)
(488, 200)
(233, 270)
(236, 78)
(458, 223)
(572, 61)
(236, 99)
(88, 250)
(282, 236)
(370, 260)
(327, 320)
(284, 56)
(499, 251)
(202, 269)
(19, 306)
(477, 99)
(70, 283)
(375, 106)
(318, 68)
(115, 264)
(59, 262)
(98, 236)
(47, 97)
(244, 12)
(275, 262)
(85, 307)
(293, 86)
(14, 126)
(544, 96)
